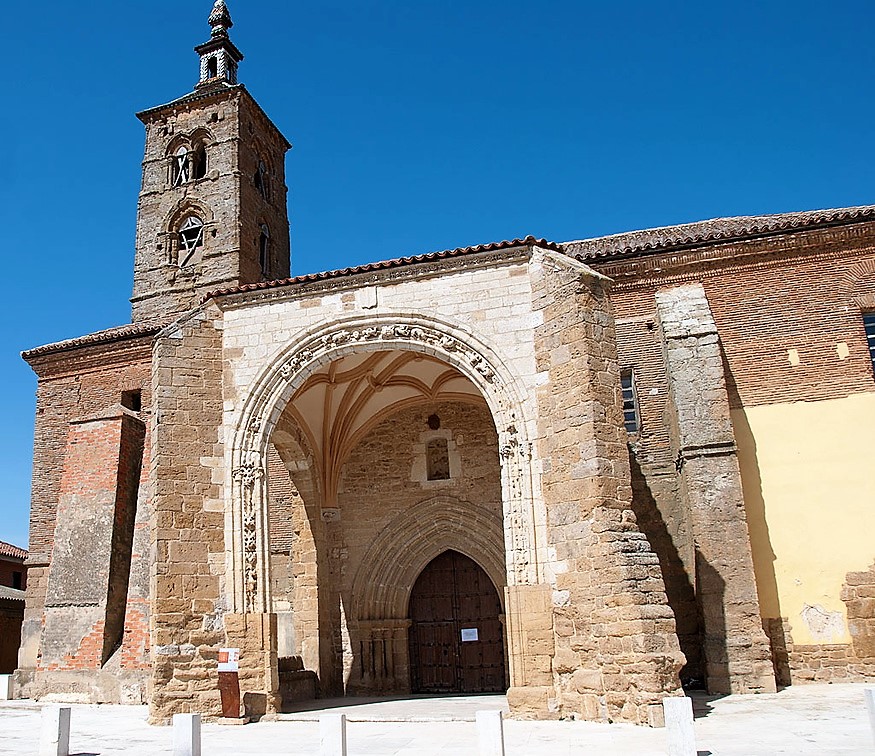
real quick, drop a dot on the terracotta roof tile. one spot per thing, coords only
(387, 264)
(8, 550)
(717, 230)
(130, 331)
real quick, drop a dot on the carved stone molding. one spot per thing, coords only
(394, 332)
(248, 476)
(281, 379)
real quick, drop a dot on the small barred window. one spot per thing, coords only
(869, 325)
(630, 402)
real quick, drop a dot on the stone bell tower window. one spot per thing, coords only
(191, 238)
(264, 251)
(260, 179)
(180, 166)
(212, 68)
(199, 159)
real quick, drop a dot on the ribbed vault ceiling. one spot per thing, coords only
(337, 406)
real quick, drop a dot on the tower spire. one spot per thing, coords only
(219, 56)
(220, 19)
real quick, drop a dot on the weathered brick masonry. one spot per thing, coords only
(801, 291)
(88, 453)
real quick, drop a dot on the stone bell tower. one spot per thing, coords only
(212, 208)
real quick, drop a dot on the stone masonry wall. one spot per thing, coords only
(655, 495)
(736, 650)
(832, 662)
(189, 623)
(231, 125)
(612, 648)
(371, 504)
(753, 289)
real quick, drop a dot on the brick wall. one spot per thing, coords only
(787, 311)
(799, 291)
(75, 383)
(8, 568)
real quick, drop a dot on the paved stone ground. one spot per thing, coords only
(803, 721)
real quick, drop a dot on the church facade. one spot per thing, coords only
(583, 473)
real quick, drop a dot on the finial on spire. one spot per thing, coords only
(220, 19)
(219, 56)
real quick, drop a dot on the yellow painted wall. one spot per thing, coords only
(808, 470)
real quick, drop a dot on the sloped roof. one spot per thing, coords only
(8, 550)
(119, 333)
(397, 262)
(11, 594)
(716, 230)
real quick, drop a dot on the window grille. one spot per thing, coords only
(630, 401)
(438, 459)
(869, 325)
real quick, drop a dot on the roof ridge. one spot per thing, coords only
(387, 264)
(130, 330)
(711, 230)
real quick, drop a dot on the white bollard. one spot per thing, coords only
(55, 735)
(679, 726)
(332, 735)
(490, 733)
(7, 690)
(869, 694)
(186, 735)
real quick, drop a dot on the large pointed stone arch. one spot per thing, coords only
(248, 580)
(379, 609)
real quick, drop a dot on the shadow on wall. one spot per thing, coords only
(678, 587)
(711, 589)
(758, 529)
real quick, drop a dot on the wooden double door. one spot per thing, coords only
(456, 639)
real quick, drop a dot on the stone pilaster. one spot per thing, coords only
(737, 654)
(188, 521)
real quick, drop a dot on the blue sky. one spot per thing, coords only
(417, 126)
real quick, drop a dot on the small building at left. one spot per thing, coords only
(13, 581)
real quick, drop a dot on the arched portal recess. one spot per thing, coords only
(311, 409)
(456, 638)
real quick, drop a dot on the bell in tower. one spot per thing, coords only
(212, 207)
